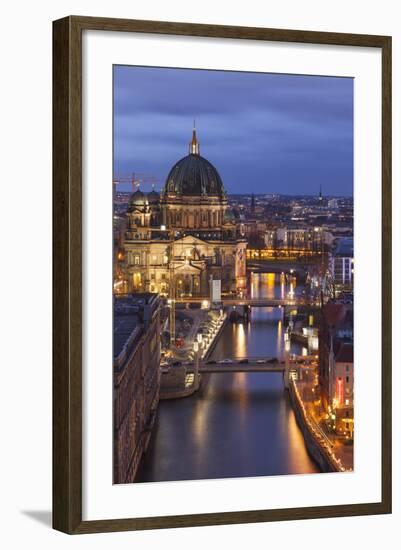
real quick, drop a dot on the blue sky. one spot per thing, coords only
(265, 133)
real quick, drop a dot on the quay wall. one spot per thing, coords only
(315, 450)
(215, 339)
(177, 393)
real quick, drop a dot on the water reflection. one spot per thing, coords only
(238, 424)
(279, 338)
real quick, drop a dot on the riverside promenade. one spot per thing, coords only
(178, 379)
(334, 451)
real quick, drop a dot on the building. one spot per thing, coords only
(254, 231)
(341, 264)
(332, 204)
(343, 399)
(119, 282)
(336, 366)
(177, 242)
(314, 239)
(136, 378)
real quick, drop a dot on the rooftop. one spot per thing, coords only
(125, 330)
(130, 313)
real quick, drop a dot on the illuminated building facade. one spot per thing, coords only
(336, 366)
(136, 378)
(180, 240)
(343, 388)
(342, 264)
(306, 238)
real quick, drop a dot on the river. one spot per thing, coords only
(237, 424)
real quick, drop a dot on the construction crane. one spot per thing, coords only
(136, 180)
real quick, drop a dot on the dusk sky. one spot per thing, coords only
(265, 133)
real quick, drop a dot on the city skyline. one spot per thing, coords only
(272, 133)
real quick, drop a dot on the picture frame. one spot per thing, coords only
(67, 274)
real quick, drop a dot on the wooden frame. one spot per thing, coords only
(67, 316)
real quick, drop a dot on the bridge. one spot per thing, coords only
(241, 367)
(253, 302)
(251, 364)
(283, 254)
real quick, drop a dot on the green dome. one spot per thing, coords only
(229, 216)
(194, 175)
(153, 197)
(138, 198)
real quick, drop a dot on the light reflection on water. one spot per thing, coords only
(238, 424)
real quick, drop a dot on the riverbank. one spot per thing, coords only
(212, 344)
(175, 381)
(317, 444)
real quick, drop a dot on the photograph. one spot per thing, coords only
(233, 272)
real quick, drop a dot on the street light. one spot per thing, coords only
(196, 370)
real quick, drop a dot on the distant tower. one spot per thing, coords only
(253, 203)
(320, 194)
(194, 144)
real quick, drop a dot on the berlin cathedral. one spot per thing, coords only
(180, 240)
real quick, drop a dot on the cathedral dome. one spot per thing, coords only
(153, 197)
(194, 175)
(229, 216)
(138, 198)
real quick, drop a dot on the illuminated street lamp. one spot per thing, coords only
(196, 369)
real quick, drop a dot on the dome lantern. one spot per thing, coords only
(194, 144)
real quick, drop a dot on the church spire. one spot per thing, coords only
(194, 144)
(253, 203)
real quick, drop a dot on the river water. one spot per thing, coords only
(238, 424)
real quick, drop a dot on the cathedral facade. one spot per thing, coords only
(180, 240)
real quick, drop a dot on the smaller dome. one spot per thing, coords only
(137, 198)
(229, 216)
(153, 197)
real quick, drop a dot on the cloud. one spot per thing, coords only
(283, 133)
